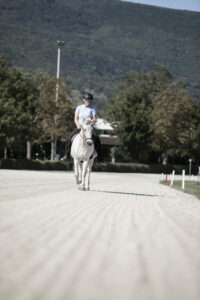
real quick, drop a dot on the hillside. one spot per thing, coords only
(104, 39)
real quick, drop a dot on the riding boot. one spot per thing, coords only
(97, 145)
(68, 147)
(99, 153)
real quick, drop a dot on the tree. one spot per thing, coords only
(131, 111)
(17, 105)
(55, 119)
(195, 143)
(172, 122)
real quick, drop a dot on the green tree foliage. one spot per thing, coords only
(154, 116)
(29, 111)
(172, 122)
(195, 146)
(131, 111)
(17, 106)
(54, 117)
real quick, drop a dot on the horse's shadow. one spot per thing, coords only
(124, 193)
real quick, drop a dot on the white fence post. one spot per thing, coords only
(162, 177)
(183, 179)
(172, 178)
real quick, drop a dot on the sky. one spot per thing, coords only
(193, 5)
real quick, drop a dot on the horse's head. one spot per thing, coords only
(87, 131)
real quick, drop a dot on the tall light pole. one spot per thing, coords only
(59, 45)
(190, 167)
(54, 145)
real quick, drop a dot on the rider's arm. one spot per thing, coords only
(94, 119)
(76, 121)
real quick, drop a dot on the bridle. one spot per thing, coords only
(83, 136)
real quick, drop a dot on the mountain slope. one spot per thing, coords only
(104, 39)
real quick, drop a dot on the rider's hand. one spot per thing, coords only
(78, 126)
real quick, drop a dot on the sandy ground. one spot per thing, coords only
(129, 238)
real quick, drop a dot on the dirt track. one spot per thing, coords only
(129, 238)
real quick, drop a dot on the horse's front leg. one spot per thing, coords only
(87, 184)
(89, 169)
(84, 172)
(76, 170)
(80, 172)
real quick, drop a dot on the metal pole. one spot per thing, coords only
(58, 63)
(57, 88)
(58, 73)
(190, 167)
(59, 45)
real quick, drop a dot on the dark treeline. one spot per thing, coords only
(153, 115)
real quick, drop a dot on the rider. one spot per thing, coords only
(85, 110)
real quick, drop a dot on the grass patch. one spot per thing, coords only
(191, 187)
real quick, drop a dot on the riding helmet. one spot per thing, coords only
(88, 96)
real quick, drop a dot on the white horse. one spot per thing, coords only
(84, 153)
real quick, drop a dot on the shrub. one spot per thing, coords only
(103, 167)
(35, 165)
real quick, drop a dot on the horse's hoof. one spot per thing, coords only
(81, 188)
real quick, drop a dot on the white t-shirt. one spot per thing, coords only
(85, 112)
